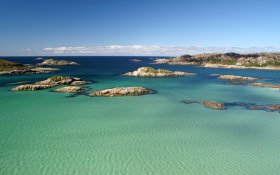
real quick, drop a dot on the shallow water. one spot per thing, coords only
(44, 132)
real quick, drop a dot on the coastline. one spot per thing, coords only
(221, 66)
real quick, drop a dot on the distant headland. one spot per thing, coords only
(227, 60)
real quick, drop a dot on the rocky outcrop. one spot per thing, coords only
(52, 62)
(208, 104)
(32, 87)
(235, 77)
(71, 89)
(249, 106)
(213, 105)
(28, 71)
(122, 91)
(8, 63)
(49, 83)
(12, 68)
(151, 72)
(227, 60)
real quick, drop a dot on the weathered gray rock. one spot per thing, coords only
(235, 77)
(49, 83)
(71, 89)
(151, 72)
(52, 62)
(122, 91)
(79, 82)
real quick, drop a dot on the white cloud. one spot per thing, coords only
(154, 50)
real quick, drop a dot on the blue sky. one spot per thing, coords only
(134, 27)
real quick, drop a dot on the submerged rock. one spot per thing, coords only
(71, 89)
(249, 106)
(263, 85)
(237, 83)
(52, 62)
(151, 72)
(235, 77)
(122, 91)
(49, 83)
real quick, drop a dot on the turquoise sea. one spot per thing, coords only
(49, 133)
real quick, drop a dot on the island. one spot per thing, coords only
(71, 89)
(122, 91)
(13, 68)
(49, 83)
(53, 62)
(227, 60)
(152, 72)
(208, 104)
(235, 77)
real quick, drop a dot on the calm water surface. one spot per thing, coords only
(49, 133)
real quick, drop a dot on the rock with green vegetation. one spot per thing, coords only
(151, 72)
(9, 65)
(52, 62)
(12, 68)
(71, 89)
(122, 91)
(49, 83)
(227, 60)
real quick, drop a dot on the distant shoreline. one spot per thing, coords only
(262, 61)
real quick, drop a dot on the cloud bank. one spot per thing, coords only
(151, 50)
